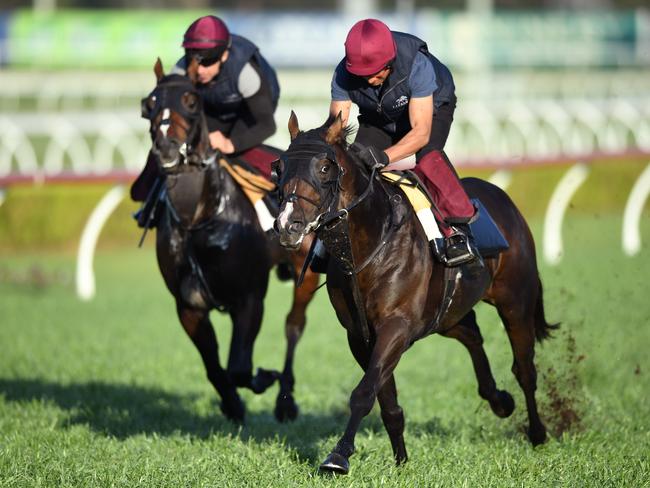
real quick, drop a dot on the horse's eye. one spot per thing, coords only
(190, 101)
(147, 105)
(275, 171)
(325, 168)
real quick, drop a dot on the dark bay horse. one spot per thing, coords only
(211, 250)
(401, 295)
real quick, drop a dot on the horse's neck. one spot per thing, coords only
(194, 195)
(371, 218)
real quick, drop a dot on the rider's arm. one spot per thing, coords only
(423, 84)
(342, 106)
(340, 97)
(255, 122)
(421, 117)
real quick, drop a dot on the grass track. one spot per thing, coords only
(112, 393)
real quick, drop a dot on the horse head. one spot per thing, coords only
(315, 175)
(178, 129)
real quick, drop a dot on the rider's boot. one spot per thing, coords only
(149, 214)
(459, 246)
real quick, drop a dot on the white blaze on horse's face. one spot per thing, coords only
(283, 218)
(164, 125)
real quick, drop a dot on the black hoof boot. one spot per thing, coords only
(234, 410)
(537, 436)
(504, 404)
(263, 379)
(286, 409)
(335, 463)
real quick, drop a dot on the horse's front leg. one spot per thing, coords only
(196, 323)
(246, 318)
(393, 418)
(285, 406)
(390, 343)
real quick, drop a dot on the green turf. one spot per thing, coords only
(112, 393)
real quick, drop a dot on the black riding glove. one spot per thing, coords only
(372, 157)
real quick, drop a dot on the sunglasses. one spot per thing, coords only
(204, 60)
(367, 77)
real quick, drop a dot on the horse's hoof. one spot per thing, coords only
(263, 379)
(234, 410)
(537, 437)
(285, 408)
(335, 463)
(504, 404)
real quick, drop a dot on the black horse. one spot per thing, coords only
(211, 250)
(388, 291)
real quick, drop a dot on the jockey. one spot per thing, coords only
(239, 90)
(406, 99)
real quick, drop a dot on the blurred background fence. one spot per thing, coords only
(558, 82)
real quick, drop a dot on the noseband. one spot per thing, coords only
(167, 97)
(329, 190)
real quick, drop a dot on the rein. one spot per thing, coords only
(332, 225)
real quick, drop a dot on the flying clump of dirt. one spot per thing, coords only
(562, 400)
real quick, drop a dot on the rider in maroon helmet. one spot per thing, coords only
(239, 90)
(406, 99)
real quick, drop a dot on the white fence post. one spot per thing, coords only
(633, 212)
(85, 277)
(557, 206)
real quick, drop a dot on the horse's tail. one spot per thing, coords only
(542, 327)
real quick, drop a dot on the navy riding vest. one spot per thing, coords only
(388, 108)
(221, 97)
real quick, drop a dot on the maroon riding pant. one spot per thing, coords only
(432, 167)
(453, 204)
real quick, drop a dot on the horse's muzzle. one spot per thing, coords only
(168, 151)
(291, 234)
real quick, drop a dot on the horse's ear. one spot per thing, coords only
(335, 130)
(193, 70)
(158, 69)
(293, 126)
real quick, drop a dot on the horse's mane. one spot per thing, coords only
(175, 77)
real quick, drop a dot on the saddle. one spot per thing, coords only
(488, 239)
(259, 190)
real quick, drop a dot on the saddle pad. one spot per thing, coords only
(420, 203)
(417, 198)
(259, 158)
(487, 237)
(255, 186)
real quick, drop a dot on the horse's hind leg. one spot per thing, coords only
(285, 406)
(468, 333)
(519, 320)
(197, 325)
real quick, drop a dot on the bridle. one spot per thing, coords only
(167, 97)
(331, 223)
(290, 164)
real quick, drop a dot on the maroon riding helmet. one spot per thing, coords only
(208, 37)
(369, 47)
